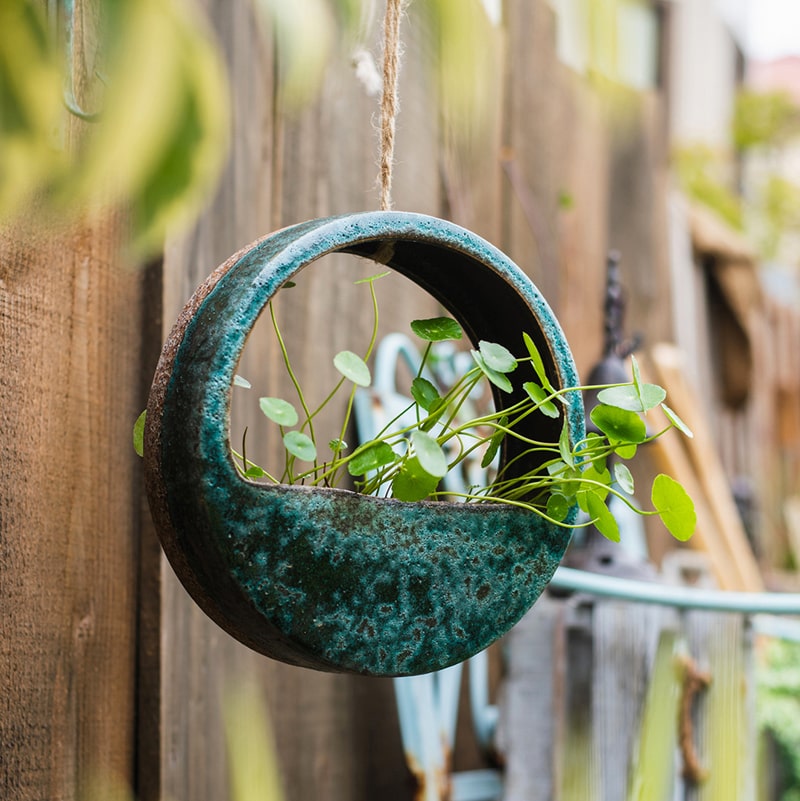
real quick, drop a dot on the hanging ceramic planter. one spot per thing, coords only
(327, 578)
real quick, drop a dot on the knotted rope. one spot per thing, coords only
(389, 105)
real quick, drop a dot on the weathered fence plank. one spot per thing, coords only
(70, 339)
(336, 736)
(595, 705)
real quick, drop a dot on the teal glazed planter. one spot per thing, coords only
(326, 578)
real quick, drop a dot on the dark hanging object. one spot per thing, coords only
(611, 368)
(327, 578)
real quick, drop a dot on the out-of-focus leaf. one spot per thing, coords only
(304, 32)
(141, 106)
(181, 181)
(30, 105)
(466, 64)
(162, 137)
(253, 769)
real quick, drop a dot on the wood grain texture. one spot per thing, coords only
(713, 484)
(290, 166)
(725, 715)
(531, 709)
(70, 322)
(73, 342)
(336, 736)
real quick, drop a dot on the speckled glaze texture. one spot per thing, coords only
(326, 578)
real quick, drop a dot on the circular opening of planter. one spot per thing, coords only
(328, 578)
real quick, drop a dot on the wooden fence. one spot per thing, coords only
(107, 669)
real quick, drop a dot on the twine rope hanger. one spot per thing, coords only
(389, 103)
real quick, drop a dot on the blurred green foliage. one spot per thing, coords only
(155, 76)
(703, 174)
(779, 203)
(764, 119)
(779, 710)
(253, 768)
(763, 127)
(305, 33)
(160, 137)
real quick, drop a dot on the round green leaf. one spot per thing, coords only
(254, 471)
(413, 483)
(279, 411)
(498, 379)
(138, 433)
(372, 457)
(352, 367)
(622, 397)
(338, 445)
(437, 329)
(626, 451)
(430, 454)
(602, 519)
(538, 395)
(238, 381)
(674, 506)
(619, 425)
(589, 473)
(651, 395)
(557, 507)
(424, 393)
(300, 445)
(624, 478)
(497, 357)
(633, 397)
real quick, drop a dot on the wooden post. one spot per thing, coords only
(70, 354)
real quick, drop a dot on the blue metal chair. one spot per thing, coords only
(427, 705)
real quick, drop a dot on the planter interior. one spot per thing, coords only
(325, 578)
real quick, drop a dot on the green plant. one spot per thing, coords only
(764, 119)
(779, 710)
(408, 461)
(703, 175)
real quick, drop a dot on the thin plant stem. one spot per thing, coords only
(289, 370)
